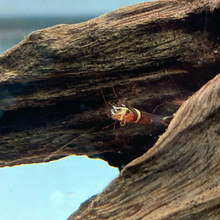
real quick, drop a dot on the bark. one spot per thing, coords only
(53, 88)
(179, 178)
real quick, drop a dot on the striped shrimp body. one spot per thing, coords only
(132, 115)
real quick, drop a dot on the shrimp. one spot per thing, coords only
(132, 115)
(126, 114)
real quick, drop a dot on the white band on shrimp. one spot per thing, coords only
(138, 115)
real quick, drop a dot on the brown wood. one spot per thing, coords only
(179, 178)
(52, 91)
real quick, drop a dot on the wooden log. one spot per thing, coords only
(47, 81)
(51, 83)
(176, 179)
(52, 91)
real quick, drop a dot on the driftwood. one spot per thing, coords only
(179, 178)
(53, 88)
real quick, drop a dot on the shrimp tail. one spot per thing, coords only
(147, 118)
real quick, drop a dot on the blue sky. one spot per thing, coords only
(51, 191)
(60, 7)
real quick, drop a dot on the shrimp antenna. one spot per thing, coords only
(175, 84)
(103, 96)
(108, 103)
(113, 89)
(119, 100)
(157, 107)
(72, 141)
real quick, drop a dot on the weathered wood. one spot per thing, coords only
(179, 178)
(51, 82)
(51, 106)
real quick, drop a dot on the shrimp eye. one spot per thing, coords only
(128, 111)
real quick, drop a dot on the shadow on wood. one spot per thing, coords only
(176, 179)
(152, 54)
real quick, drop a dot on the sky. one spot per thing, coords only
(60, 7)
(51, 191)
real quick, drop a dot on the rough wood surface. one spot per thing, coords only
(179, 178)
(51, 83)
(150, 54)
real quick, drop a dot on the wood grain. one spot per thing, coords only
(179, 177)
(53, 87)
(51, 83)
